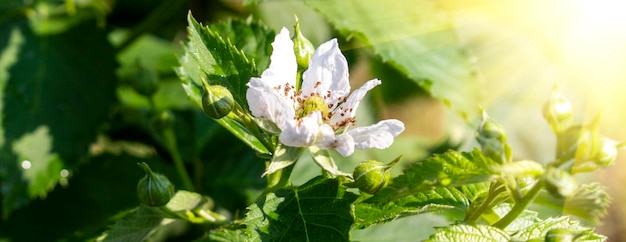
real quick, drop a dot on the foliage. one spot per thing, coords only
(85, 95)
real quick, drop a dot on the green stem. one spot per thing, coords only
(244, 118)
(520, 206)
(494, 191)
(170, 142)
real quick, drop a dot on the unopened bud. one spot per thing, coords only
(145, 80)
(492, 139)
(558, 111)
(302, 47)
(217, 101)
(154, 189)
(560, 183)
(370, 176)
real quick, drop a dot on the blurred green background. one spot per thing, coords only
(77, 114)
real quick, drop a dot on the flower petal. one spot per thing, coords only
(266, 103)
(283, 67)
(302, 132)
(327, 74)
(379, 135)
(344, 145)
(347, 110)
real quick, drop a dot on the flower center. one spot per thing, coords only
(312, 104)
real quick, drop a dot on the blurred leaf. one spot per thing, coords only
(210, 57)
(439, 200)
(452, 168)
(100, 189)
(319, 210)
(464, 232)
(418, 40)
(520, 168)
(527, 218)
(61, 87)
(538, 230)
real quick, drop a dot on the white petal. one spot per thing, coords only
(266, 103)
(344, 145)
(283, 66)
(326, 137)
(302, 132)
(347, 110)
(379, 135)
(327, 73)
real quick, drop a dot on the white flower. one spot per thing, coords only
(320, 113)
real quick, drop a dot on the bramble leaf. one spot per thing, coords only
(452, 168)
(215, 59)
(319, 210)
(419, 41)
(464, 232)
(539, 230)
(440, 200)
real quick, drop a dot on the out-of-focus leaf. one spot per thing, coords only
(58, 91)
(210, 57)
(438, 200)
(538, 230)
(417, 37)
(319, 210)
(464, 232)
(94, 194)
(136, 226)
(452, 168)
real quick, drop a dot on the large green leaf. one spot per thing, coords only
(439, 200)
(214, 59)
(58, 92)
(319, 210)
(416, 37)
(464, 232)
(452, 168)
(539, 230)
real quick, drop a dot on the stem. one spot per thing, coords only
(494, 191)
(170, 143)
(520, 206)
(244, 118)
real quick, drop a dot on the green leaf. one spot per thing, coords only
(464, 232)
(136, 226)
(319, 210)
(538, 230)
(452, 168)
(58, 93)
(208, 56)
(527, 218)
(284, 156)
(418, 40)
(520, 168)
(439, 200)
(235, 232)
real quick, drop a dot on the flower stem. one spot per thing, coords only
(520, 206)
(494, 191)
(170, 143)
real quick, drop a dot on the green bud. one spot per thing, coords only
(559, 235)
(145, 81)
(560, 183)
(370, 176)
(302, 47)
(558, 111)
(217, 101)
(492, 138)
(154, 189)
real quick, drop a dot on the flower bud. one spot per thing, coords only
(154, 189)
(492, 138)
(217, 101)
(370, 176)
(302, 47)
(558, 111)
(145, 80)
(560, 183)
